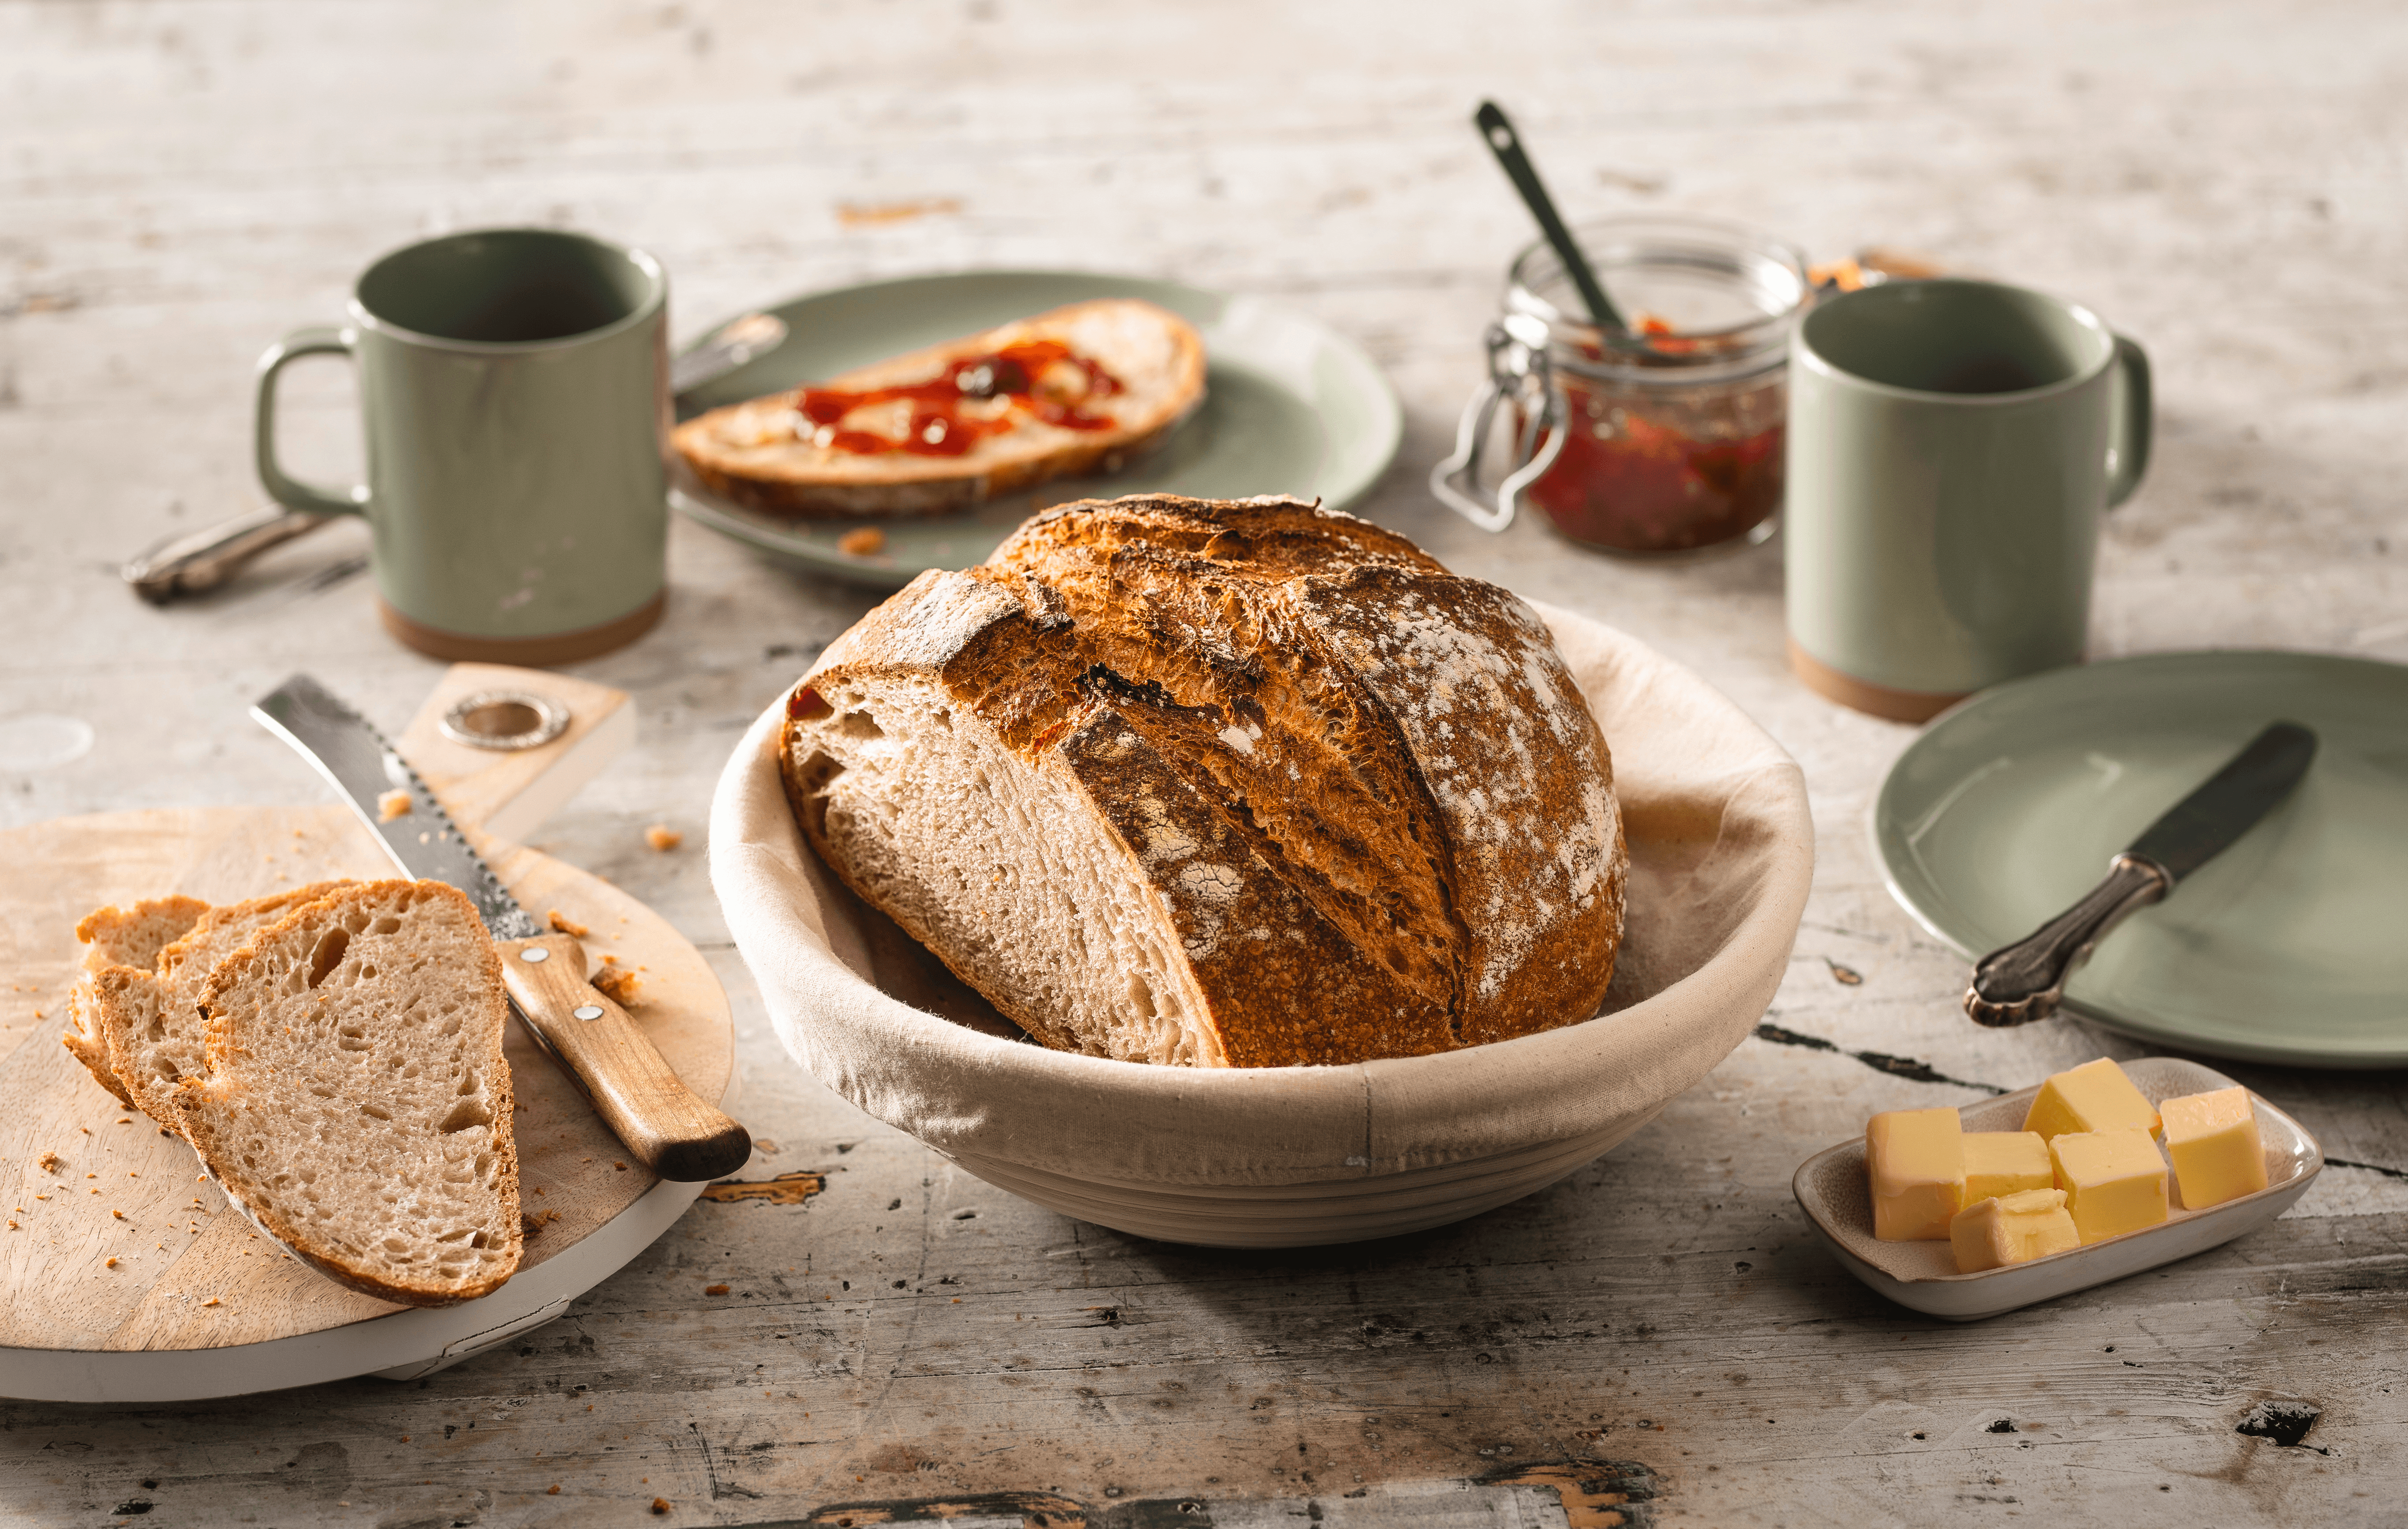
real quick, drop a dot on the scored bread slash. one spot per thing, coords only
(1080, 389)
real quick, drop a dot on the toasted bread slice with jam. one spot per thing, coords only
(1081, 388)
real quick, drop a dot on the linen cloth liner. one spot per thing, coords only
(1721, 857)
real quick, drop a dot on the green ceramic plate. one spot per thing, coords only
(2291, 946)
(1291, 406)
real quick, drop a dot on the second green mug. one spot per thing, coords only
(1952, 447)
(514, 389)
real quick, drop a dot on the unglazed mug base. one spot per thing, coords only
(527, 652)
(1897, 706)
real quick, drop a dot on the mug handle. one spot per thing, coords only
(2129, 456)
(285, 490)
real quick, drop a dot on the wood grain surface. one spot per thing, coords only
(2220, 179)
(117, 1240)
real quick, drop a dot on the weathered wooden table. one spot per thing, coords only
(1656, 1339)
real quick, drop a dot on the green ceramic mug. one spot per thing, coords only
(1952, 447)
(514, 389)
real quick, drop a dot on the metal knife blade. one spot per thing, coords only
(346, 748)
(2025, 981)
(631, 1086)
(2252, 783)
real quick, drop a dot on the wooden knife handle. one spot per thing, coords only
(633, 1088)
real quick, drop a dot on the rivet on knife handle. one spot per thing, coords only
(2023, 982)
(633, 1088)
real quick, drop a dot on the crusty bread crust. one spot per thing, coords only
(1365, 800)
(748, 452)
(292, 1066)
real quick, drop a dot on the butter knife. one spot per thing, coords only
(631, 1085)
(2026, 981)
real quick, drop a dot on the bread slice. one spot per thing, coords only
(120, 937)
(155, 1035)
(766, 454)
(356, 1101)
(1222, 783)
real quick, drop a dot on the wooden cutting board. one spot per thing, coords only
(193, 1286)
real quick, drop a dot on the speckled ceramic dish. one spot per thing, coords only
(1831, 1188)
(1290, 407)
(2286, 948)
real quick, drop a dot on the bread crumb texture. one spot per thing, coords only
(661, 837)
(1222, 783)
(354, 1096)
(564, 925)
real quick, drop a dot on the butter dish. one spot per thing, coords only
(1831, 1189)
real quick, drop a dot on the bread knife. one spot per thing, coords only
(631, 1085)
(2026, 981)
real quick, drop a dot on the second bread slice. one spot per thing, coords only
(357, 1102)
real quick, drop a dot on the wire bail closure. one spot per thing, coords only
(1521, 373)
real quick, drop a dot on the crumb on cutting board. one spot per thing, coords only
(392, 803)
(619, 987)
(50, 1162)
(566, 924)
(661, 837)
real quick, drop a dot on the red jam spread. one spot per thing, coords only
(1021, 374)
(1659, 467)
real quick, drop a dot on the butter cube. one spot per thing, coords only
(2011, 1229)
(2213, 1140)
(1916, 1161)
(2113, 1181)
(2095, 1096)
(1999, 1163)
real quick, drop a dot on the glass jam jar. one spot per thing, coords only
(1664, 439)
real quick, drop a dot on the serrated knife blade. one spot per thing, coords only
(355, 758)
(633, 1088)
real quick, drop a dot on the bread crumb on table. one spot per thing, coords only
(660, 1505)
(392, 803)
(108, 1263)
(211, 1301)
(50, 1162)
(566, 924)
(661, 837)
(869, 542)
(714, 1290)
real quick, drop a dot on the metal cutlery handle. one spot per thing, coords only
(2023, 982)
(204, 559)
(734, 345)
(633, 1087)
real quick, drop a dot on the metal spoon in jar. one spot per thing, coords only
(203, 560)
(1497, 133)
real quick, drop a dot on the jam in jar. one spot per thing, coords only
(1662, 439)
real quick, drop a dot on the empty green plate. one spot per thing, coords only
(2289, 947)
(1290, 407)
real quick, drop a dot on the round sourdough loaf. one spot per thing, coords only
(1222, 783)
